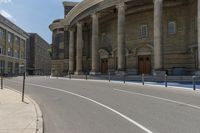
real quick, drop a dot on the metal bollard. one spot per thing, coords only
(109, 76)
(86, 76)
(124, 78)
(23, 88)
(142, 79)
(70, 76)
(194, 82)
(166, 80)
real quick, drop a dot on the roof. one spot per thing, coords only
(12, 26)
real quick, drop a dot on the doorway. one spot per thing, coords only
(144, 64)
(104, 66)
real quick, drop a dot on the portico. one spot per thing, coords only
(125, 26)
(121, 39)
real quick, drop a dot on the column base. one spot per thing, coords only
(197, 73)
(79, 73)
(71, 72)
(159, 73)
(95, 73)
(120, 73)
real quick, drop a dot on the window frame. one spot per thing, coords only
(2, 32)
(9, 51)
(169, 27)
(1, 50)
(146, 31)
(9, 37)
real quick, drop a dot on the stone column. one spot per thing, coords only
(79, 49)
(198, 28)
(95, 44)
(66, 42)
(121, 36)
(158, 9)
(71, 51)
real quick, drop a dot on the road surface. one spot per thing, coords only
(79, 106)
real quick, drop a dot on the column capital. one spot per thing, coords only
(121, 5)
(154, 1)
(95, 14)
(66, 27)
(72, 29)
(80, 23)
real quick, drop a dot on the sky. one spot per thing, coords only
(33, 16)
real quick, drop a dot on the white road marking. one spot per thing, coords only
(158, 98)
(98, 103)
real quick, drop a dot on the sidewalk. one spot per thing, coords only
(19, 117)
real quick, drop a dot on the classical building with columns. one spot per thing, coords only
(133, 36)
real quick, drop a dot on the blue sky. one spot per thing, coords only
(33, 15)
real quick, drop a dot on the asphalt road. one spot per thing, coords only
(78, 106)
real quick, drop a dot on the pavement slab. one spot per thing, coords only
(17, 116)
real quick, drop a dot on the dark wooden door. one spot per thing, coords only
(104, 66)
(144, 64)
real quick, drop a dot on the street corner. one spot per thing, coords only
(18, 116)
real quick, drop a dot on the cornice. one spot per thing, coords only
(57, 25)
(79, 8)
(66, 3)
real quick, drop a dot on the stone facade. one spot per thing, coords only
(38, 57)
(133, 36)
(12, 47)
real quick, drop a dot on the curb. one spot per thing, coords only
(130, 83)
(40, 121)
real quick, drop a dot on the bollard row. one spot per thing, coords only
(123, 79)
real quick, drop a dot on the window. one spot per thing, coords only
(61, 56)
(144, 30)
(10, 67)
(9, 37)
(1, 51)
(1, 33)
(22, 55)
(23, 45)
(61, 45)
(16, 54)
(172, 27)
(17, 40)
(103, 37)
(9, 52)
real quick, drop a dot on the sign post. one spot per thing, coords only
(24, 77)
(23, 88)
